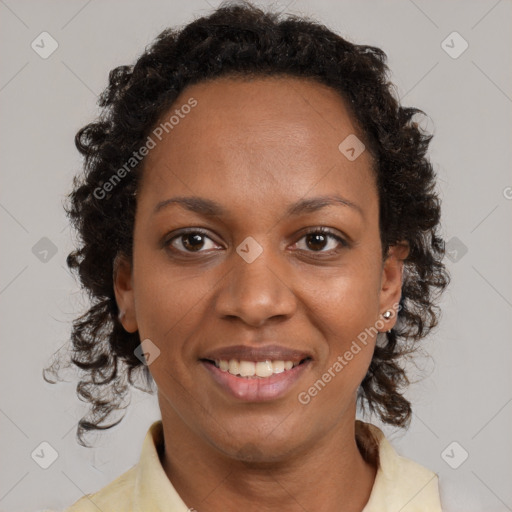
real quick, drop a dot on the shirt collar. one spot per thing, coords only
(153, 490)
(401, 484)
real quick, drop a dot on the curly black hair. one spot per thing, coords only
(240, 40)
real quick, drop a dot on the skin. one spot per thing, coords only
(256, 147)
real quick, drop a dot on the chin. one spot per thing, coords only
(262, 445)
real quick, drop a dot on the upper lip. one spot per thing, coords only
(265, 353)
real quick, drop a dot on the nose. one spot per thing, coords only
(256, 292)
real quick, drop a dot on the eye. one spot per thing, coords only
(196, 240)
(321, 240)
(191, 240)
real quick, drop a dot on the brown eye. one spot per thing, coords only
(316, 241)
(191, 241)
(321, 240)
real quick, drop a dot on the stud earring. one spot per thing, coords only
(387, 315)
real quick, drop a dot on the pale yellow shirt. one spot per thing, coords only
(400, 484)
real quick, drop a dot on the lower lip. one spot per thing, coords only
(257, 389)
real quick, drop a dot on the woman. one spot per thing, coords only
(259, 235)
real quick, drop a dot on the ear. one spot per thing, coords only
(123, 289)
(391, 283)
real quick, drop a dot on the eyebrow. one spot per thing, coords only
(210, 208)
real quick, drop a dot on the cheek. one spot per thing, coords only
(343, 301)
(344, 312)
(167, 302)
(169, 308)
(344, 307)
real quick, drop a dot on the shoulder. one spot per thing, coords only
(117, 495)
(401, 483)
(143, 487)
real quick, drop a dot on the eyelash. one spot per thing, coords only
(319, 230)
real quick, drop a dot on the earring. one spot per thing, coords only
(387, 314)
(121, 315)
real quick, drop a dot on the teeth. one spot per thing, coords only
(264, 369)
(251, 368)
(247, 368)
(278, 366)
(233, 367)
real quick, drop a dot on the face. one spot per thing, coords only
(257, 248)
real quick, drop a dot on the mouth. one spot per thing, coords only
(255, 381)
(255, 369)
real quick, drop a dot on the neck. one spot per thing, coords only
(330, 475)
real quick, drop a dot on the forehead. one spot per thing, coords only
(259, 104)
(273, 136)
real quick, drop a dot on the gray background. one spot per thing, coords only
(465, 393)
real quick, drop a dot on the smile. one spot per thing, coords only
(255, 381)
(262, 369)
